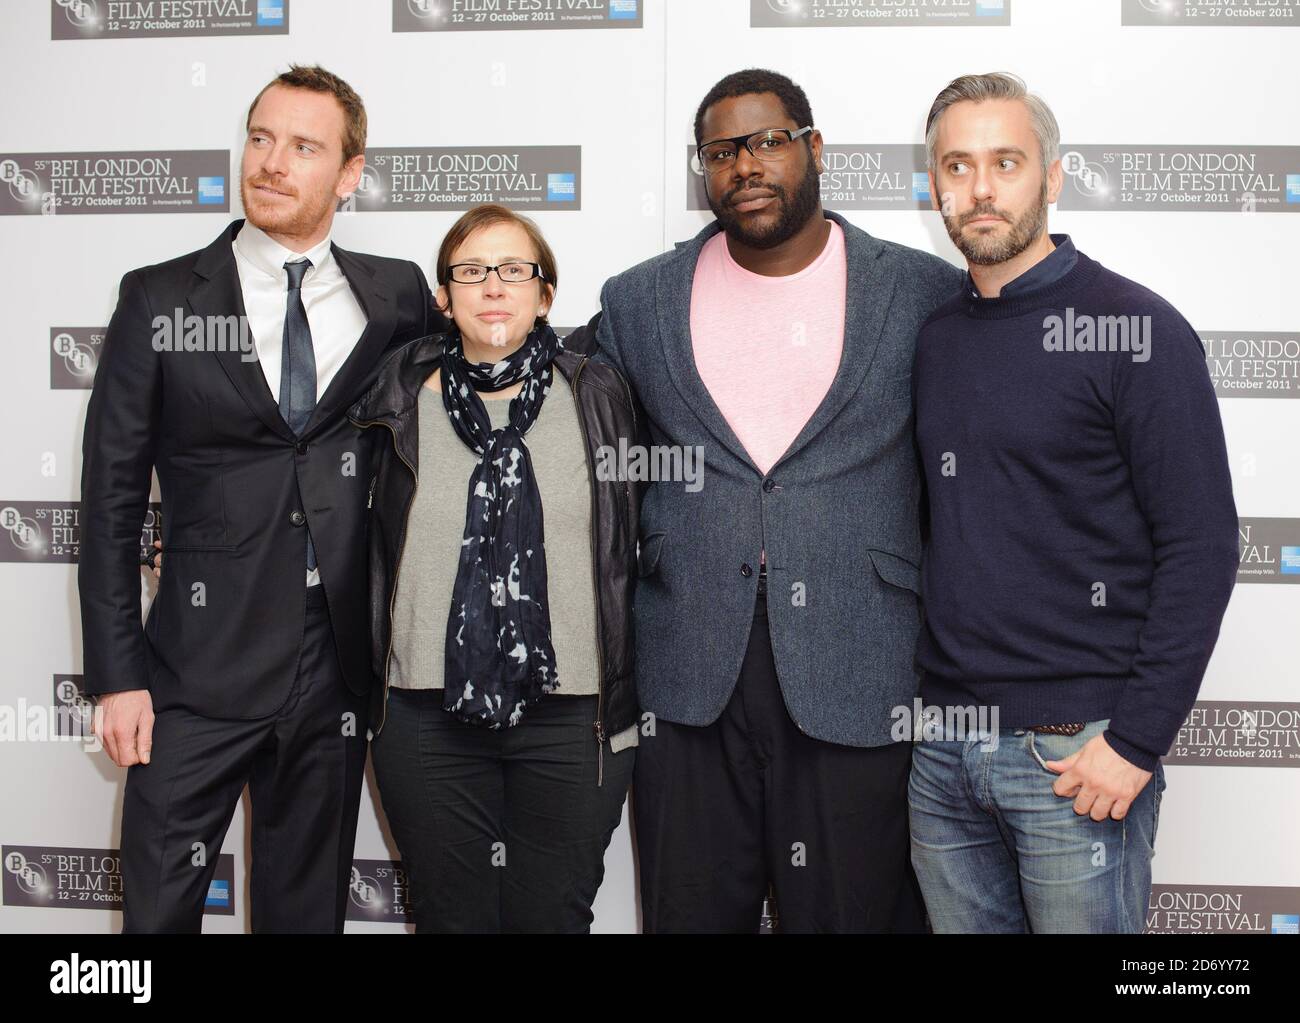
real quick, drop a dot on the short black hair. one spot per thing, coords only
(752, 80)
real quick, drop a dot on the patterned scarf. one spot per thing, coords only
(499, 656)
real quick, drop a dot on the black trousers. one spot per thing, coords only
(723, 810)
(500, 831)
(304, 766)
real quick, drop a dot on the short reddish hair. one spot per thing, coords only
(317, 79)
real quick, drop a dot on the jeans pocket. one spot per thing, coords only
(1045, 746)
(1034, 738)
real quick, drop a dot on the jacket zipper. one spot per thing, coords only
(401, 548)
(627, 486)
(598, 724)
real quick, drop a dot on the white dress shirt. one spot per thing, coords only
(334, 315)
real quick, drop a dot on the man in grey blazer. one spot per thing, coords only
(776, 607)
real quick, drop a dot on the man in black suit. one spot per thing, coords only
(253, 666)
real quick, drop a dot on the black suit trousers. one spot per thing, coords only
(304, 765)
(726, 810)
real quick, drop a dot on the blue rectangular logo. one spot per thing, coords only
(1286, 923)
(218, 894)
(561, 188)
(270, 12)
(622, 9)
(212, 190)
(920, 186)
(1291, 560)
(1293, 188)
(989, 8)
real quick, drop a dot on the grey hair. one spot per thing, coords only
(995, 85)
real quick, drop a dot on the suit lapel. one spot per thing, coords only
(216, 292)
(380, 307)
(869, 284)
(869, 287)
(673, 314)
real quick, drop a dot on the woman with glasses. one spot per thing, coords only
(502, 567)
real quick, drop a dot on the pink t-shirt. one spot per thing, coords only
(767, 348)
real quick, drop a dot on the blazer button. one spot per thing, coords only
(746, 571)
(300, 447)
(769, 485)
(297, 517)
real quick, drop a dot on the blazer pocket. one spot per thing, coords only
(892, 613)
(647, 553)
(895, 570)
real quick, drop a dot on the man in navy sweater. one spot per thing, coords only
(1082, 547)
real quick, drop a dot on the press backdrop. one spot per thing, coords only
(119, 147)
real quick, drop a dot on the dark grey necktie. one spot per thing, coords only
(297, 365)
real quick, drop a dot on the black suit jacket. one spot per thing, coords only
(224, 633)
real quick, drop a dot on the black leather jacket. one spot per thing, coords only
(607, 411)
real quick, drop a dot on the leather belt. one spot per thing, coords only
(1070, 729)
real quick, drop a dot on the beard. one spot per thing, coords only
(300, 215)
(990, 250)
(794, 212)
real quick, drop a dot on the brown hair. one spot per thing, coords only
(485, 216)
(317, 79)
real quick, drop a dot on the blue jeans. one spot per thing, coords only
(995, 850)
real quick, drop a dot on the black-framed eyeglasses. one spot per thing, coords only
(766, 145)
(509, 273)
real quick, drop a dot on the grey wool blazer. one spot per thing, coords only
(838, 514)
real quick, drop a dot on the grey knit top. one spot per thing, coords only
(436, 527)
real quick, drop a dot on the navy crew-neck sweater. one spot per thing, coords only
(1082, 532)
